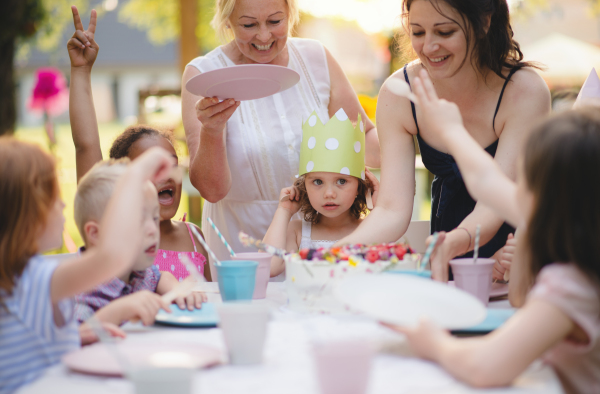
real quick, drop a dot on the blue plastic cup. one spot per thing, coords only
(236, 279)
(420, 273)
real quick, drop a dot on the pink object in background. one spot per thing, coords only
(343, 367)
(50, 94)
(263, 271)
(475, 279)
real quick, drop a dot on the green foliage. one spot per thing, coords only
(160, 19)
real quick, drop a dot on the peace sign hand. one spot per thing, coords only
(82, 47)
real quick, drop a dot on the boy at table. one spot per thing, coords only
(137, 294)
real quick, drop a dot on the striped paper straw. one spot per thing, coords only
(205, 246)
(221, 237)
(429, 251)
(476, 249)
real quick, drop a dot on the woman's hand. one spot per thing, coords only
(374, 186)
(82, 47)
(440, 257)
(437, 117)
(214, 114)
(505, 258)
(424, 340)
(289, 199)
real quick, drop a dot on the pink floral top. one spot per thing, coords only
(169, 260)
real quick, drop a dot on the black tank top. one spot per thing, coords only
(450, 200)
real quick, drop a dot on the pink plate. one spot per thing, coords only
(98, 360)
(498, 289)
(244, 82)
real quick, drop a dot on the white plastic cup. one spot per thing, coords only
(162, 380)
(343, 367)
(244, 328)
(475, 279)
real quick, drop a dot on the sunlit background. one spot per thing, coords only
(137, 75)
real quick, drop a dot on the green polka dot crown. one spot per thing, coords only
(337, 146)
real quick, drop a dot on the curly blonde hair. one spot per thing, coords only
(224, 9)
(358, 208)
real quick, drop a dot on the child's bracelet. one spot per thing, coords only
(470, 238)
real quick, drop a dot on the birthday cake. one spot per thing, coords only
(311, 274)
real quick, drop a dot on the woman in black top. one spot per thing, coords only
(466, 46)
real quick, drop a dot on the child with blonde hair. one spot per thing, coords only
(37, 324)
(136, 293)
(554, 204)
(331, 190)
(176, 236)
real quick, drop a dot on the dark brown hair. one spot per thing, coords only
(561, 166)
(122, 144)
(311, 215)
(28, 191)
(494, 49)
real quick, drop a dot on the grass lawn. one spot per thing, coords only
(65, 156)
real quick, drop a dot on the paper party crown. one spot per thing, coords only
(590, 89)
(337, 146)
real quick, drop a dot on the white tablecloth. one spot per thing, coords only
(288, 365)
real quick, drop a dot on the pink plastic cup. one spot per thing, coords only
(263, 271)
(475, 279)
(343, 367)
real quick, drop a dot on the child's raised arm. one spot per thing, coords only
(83, 50)
(120, 230)
(483, 178)
(279, 234)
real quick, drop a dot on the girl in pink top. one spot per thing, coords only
(175, 236)
(555, 276)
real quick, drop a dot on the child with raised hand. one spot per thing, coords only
(330, 191)
(136, 293)
(37, 325)
(554, 204)
(176, 237)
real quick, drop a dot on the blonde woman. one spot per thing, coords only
(243, 153)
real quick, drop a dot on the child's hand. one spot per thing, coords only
(193, 300)
(289, 199)
(439, 118)
(82, 47)
(424, 340)
(142, 305)
(155, 164)
(374, 186)
(505, 258)
(88, 336)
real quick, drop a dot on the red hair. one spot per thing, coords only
(28, 191)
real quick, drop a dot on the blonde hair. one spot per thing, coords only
(94, 191)
(224, 9)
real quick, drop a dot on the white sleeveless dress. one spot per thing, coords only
(308, 243)
(263, 145)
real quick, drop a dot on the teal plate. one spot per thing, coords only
(203, 317)
(494, 319)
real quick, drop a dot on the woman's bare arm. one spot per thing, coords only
(209, 168)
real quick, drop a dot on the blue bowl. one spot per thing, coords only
(236, 279)
(422, 273)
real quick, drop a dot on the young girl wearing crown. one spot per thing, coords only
(331, 191)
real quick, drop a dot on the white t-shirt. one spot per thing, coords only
(30, 341)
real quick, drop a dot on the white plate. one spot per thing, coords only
(404, 299)
(96, 359)
(244, 82)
